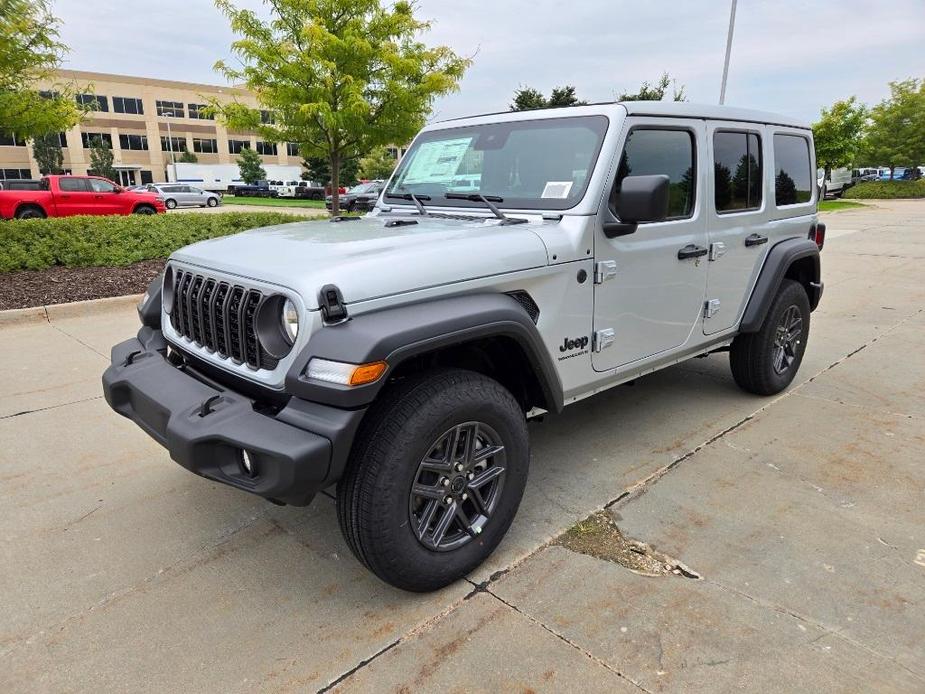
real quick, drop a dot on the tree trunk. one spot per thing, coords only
(335, 184)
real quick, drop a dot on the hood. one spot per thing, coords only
(367, 259)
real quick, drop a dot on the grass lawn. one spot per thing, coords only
(836, 205)
(272, 202)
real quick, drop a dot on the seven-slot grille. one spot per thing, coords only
(220, 316)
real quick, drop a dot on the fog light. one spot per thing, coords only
(248, 464)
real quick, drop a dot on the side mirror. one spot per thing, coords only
(117, 189)
(642, 199)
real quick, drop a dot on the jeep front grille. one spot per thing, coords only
(220, 317)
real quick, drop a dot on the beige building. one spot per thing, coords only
(147, 122)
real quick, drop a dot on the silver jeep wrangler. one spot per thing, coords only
(514, 264)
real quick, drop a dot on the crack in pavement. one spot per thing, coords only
(50, 407)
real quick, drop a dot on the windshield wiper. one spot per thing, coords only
(413, 197)
(489, 201)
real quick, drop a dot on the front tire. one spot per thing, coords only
(144, 209)
(766, 362)
(435, 477)
(212, 202)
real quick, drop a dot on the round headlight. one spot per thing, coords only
(290, 320)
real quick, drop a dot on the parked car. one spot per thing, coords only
(261, 189)
(400, 355)
(900, 173)
(835, 184)
(64, 196)
(864, 174)
(181, 195)
(360, 198)
(310, 191)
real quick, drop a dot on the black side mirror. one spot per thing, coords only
(642, 199)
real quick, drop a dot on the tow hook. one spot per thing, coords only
(207, 406)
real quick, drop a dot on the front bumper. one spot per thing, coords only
(296, 452)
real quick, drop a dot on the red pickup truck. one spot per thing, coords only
(65, 196)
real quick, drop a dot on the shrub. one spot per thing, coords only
(871, 190)
(33, 244)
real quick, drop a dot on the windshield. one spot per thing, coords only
(535, 164)
(363, 188)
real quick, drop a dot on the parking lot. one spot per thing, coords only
(799, 519)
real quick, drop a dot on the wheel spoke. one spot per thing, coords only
(479, 502)
(486, 476)
(427, 491)
(426, 517)
(449, 513)
(779, 359)
(486, 453)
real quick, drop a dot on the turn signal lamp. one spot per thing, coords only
(345, 374)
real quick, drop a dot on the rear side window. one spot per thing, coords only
(74, 185)
(651, 151)
(793, 177)
(736, 171)
(101, 186)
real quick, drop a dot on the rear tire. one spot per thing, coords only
(411, 456)
(170, 204)
(30, 212)
(766, 362)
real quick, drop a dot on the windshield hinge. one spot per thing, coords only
(605, 270)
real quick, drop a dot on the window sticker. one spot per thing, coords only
(557, 189)
(437, 161)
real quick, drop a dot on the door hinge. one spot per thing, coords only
(710, 308)
(717, 250)
(605, 270)
(603, 339)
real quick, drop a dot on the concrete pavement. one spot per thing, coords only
(802, 515)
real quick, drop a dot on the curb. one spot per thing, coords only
(75, 309)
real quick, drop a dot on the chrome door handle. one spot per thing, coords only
(691, 251)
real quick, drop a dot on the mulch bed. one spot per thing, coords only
(58, 285)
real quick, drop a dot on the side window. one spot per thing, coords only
(793, 178)
(73, 185)
(100, 186)
(736, 171)
(654, 151)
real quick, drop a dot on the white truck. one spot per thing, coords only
(217, 178)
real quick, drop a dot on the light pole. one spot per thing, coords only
(173, 158)
(732, 23)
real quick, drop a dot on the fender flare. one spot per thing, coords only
(396, 334)
(773, 272)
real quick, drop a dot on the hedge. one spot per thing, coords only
(872, 190)
(33, 244)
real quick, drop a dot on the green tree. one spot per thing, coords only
(29, 53)
(188, 157)
(655, 92)
(379, 163)
(48, 153)
(837, 134)
(318, 169)
(251, 166)
(896, 130)
(341, 76)
(527, 99)
(101, 159)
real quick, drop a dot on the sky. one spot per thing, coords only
(788, 56)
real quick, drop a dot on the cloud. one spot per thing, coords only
(788, 55)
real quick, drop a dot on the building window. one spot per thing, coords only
(125, 104)
(89, 138)
(199, 111)
(62, 140)
(267, 148)
(169, 108)
(736, 171)
(205, 145)
(173, 144)
(11, 140)
(235, 146)
(134, 142)
(651, 151)
(292, 149)
(146, 176)
(266, 117)
(93, 102)
(793, 177)
(15, 174)
(393, 152)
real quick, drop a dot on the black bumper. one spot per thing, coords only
(296, 452)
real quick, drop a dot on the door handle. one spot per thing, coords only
(691, 251)
(755, 240)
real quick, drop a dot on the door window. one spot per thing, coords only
(793, 176)
(98, 185)
(652, 151)
(736, 171)
(74, 185)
